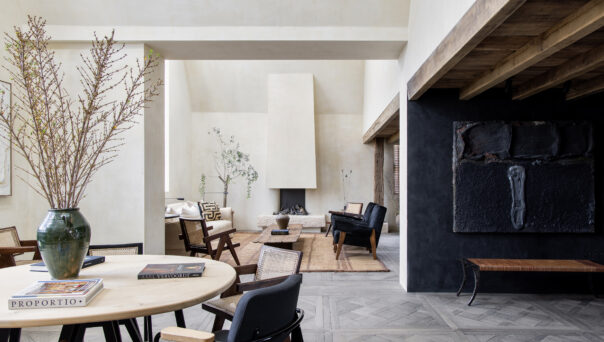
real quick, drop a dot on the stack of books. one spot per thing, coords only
(56, 294)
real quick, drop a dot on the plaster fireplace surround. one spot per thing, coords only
(291, 157)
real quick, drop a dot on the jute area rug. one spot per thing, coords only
(318, 255)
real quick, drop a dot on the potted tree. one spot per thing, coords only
(230, 163)
(65, 141)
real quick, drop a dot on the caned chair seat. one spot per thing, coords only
(226, 304)
(11, 246)
(210, 240)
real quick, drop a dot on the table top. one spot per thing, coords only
(294, 234)
(123, 295)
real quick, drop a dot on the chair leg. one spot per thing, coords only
(218, 323)
(372, 240)
(232, 249)
(340, 243)
(328, 228)
(218, 252)
(335, 247)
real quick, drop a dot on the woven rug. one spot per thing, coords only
(318, 255)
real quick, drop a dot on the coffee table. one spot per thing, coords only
(280, 241)
(123, 297)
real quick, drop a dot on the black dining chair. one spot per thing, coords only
(268, 314)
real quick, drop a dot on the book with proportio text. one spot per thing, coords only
(56, 294)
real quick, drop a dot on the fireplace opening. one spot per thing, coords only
(292, 202)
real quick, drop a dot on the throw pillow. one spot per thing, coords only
(190, 211)
(210, 211)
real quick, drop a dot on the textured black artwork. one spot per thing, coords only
(526, 177)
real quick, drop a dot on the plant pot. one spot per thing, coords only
(63, 239)
(282, 221)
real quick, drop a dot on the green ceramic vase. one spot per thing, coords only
(63, 239)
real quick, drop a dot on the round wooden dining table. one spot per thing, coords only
(123, 296)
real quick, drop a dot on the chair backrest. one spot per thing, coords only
(354, 208)
(9, 237)
(266, 312)
(118, 249)
(368, 210)
(193, 231)
(376, 220)
(277, 262)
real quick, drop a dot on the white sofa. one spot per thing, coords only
(175, 246)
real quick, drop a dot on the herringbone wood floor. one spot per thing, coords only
(373, 307)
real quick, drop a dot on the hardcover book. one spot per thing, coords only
(56, 294)
(159, 271)
(88, 261)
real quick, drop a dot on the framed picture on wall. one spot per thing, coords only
(5, 143)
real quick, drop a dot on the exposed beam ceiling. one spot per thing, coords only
(395, 138)
(585, 88)
(476, 24)
(386, 124)
(572, 68)
(577, 25)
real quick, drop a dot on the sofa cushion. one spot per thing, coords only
(210, 211)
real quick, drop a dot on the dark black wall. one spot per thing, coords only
(433, 248)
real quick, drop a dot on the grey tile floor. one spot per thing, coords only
(373, 307)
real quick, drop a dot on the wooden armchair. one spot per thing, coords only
(274, 266)
(11, 245)
(198, 238)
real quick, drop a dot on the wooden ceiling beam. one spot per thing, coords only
(576, 66)
(577, 25)
(390, 113)
(582, 89)
(476, 24)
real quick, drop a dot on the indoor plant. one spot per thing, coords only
(230, 163)
(65, 142)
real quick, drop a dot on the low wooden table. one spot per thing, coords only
(526, 265)
(280, 241)
(123, 296)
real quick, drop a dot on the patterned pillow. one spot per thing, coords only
(210, 211)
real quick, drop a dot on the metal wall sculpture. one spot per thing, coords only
(526, 177)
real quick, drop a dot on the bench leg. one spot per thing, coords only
(592, 284)
(476, 271)
(465, 277)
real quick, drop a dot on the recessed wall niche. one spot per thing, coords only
(523, 177)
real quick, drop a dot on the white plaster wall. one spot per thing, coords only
(179, 131)
(240, 86)
(424, 37)
(382, 81)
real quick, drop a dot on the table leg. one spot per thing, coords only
(112, 331)
(12, 335)
(180, 319)
(476, 271)
(148, 332)
(463, 281)
(592, 284)
(132, 327)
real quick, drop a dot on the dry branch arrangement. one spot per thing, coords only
(66, 141)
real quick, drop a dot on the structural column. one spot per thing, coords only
(378, 172)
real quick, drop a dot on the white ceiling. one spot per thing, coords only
(220, 12)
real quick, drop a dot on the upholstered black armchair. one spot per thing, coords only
(364, 233)
(263, 315)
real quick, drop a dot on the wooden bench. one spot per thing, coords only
(525, 265)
